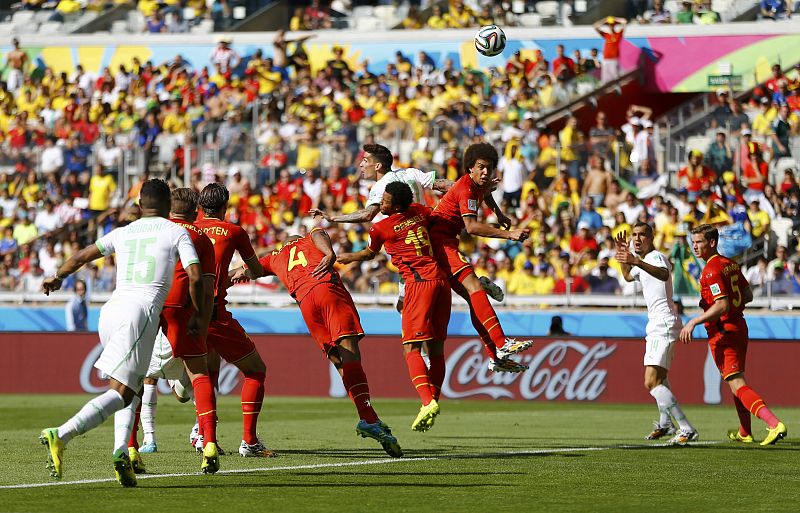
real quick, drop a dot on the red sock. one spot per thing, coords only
(419, 376)
(483, 334)
(756, 405)
(206, 413)
(436, 374)
(355, 381)
(485, 314)
(133, 442)
(745, 425)
(252, 397)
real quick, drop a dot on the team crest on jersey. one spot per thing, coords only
(715, 288)
(472, 204)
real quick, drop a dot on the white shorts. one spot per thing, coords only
(162, 364)
(661, 339)
(127, 331)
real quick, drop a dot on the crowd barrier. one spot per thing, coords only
(607, 370)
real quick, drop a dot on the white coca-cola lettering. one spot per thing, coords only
(468, 373)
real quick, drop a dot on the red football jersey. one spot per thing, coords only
(463, 199)
(405, 236)
(226, 238)
(179, 293)
(722, 277)
(293, 265)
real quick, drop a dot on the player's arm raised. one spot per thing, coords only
(622, 255)
(75, 262)
(323, 243)
(484, 230)
(503, 220)
(364, 215)
(442, 184)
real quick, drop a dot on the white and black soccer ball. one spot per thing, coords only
(490, 40)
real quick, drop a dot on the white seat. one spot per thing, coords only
(28, 28)
(721, 6)
(42, 16)
(581, 5)
(547, 8)
(672, 6)
(697, 142)
(239, 12)
(518, 6)
(782, 227)
(22, 17)
(119, 27)
(530, 19)
(189, 13)
(383, 11)
(51, 27)
(362, 11)
(204, 27)
(370, 24)
(136, 22)
(7, 28)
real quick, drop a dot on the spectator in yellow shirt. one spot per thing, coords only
(101, 188)
(759, 220)
(437, 21)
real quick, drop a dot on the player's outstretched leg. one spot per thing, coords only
(347, 359)
(93, 413)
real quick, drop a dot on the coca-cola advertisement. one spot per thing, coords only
(561, 369)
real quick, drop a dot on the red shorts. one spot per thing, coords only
(330, 315)
(729, 350)
(227, 337)
(426, 311)
(175, 324)
(447, 255)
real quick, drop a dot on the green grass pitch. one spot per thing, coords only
(480, 456)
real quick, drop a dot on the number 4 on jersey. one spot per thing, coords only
(295, 260)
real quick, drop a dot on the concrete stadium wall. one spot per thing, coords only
(680, 57)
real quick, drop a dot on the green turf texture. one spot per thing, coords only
(474, 469)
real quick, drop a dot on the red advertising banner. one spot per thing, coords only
(561, 369)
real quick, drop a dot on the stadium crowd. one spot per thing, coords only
(66, 138)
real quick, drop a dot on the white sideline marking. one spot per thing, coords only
(386, 461)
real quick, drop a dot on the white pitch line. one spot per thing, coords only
(533, 452)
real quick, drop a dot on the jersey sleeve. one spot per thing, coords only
(425, 179)
(205, 252)
(376, 238)
(106, 243)
(717, 284)
(243, 245)
(186, 250)
(468, 203)
(376, 192)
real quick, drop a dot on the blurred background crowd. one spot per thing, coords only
(75, 148)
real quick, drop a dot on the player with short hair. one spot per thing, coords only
(404, 233)
(225, 335)
(376, 164)
(654, 272)
(146, 252)
(724, 292)
(305, 267)
(458, 210)
(177, 353)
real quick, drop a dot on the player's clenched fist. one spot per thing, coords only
(51, 284)
(519, 235)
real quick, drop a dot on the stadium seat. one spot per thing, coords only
(362, 11)
(518, 7)
(370, 24)
(239, 12)
(697, 142)
(42, 16)
(51, 27)
(7, 28)
(189, 13)
(21, 18)
(27, 28)
(204, 27)
(581, 5)
(547, 8)
(136, 22)
(530, 19)
(781, 228)
(119, 27)
(672, 6)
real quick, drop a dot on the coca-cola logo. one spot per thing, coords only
(551, 375)
(94, 382)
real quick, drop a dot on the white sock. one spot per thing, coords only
(148, 416)
(668, 404)
(123, 425)
(93, 413)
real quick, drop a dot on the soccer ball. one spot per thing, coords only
(490, 40)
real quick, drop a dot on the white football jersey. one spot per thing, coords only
(146, 252)
(414, 178)
(657, 293)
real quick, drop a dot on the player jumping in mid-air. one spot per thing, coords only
(225, 335)
(457, 210)
(305, 267)
(376, 164)
(175, 345)
(653, 271)
(146, 252)
(404, 233)
(724, 292)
